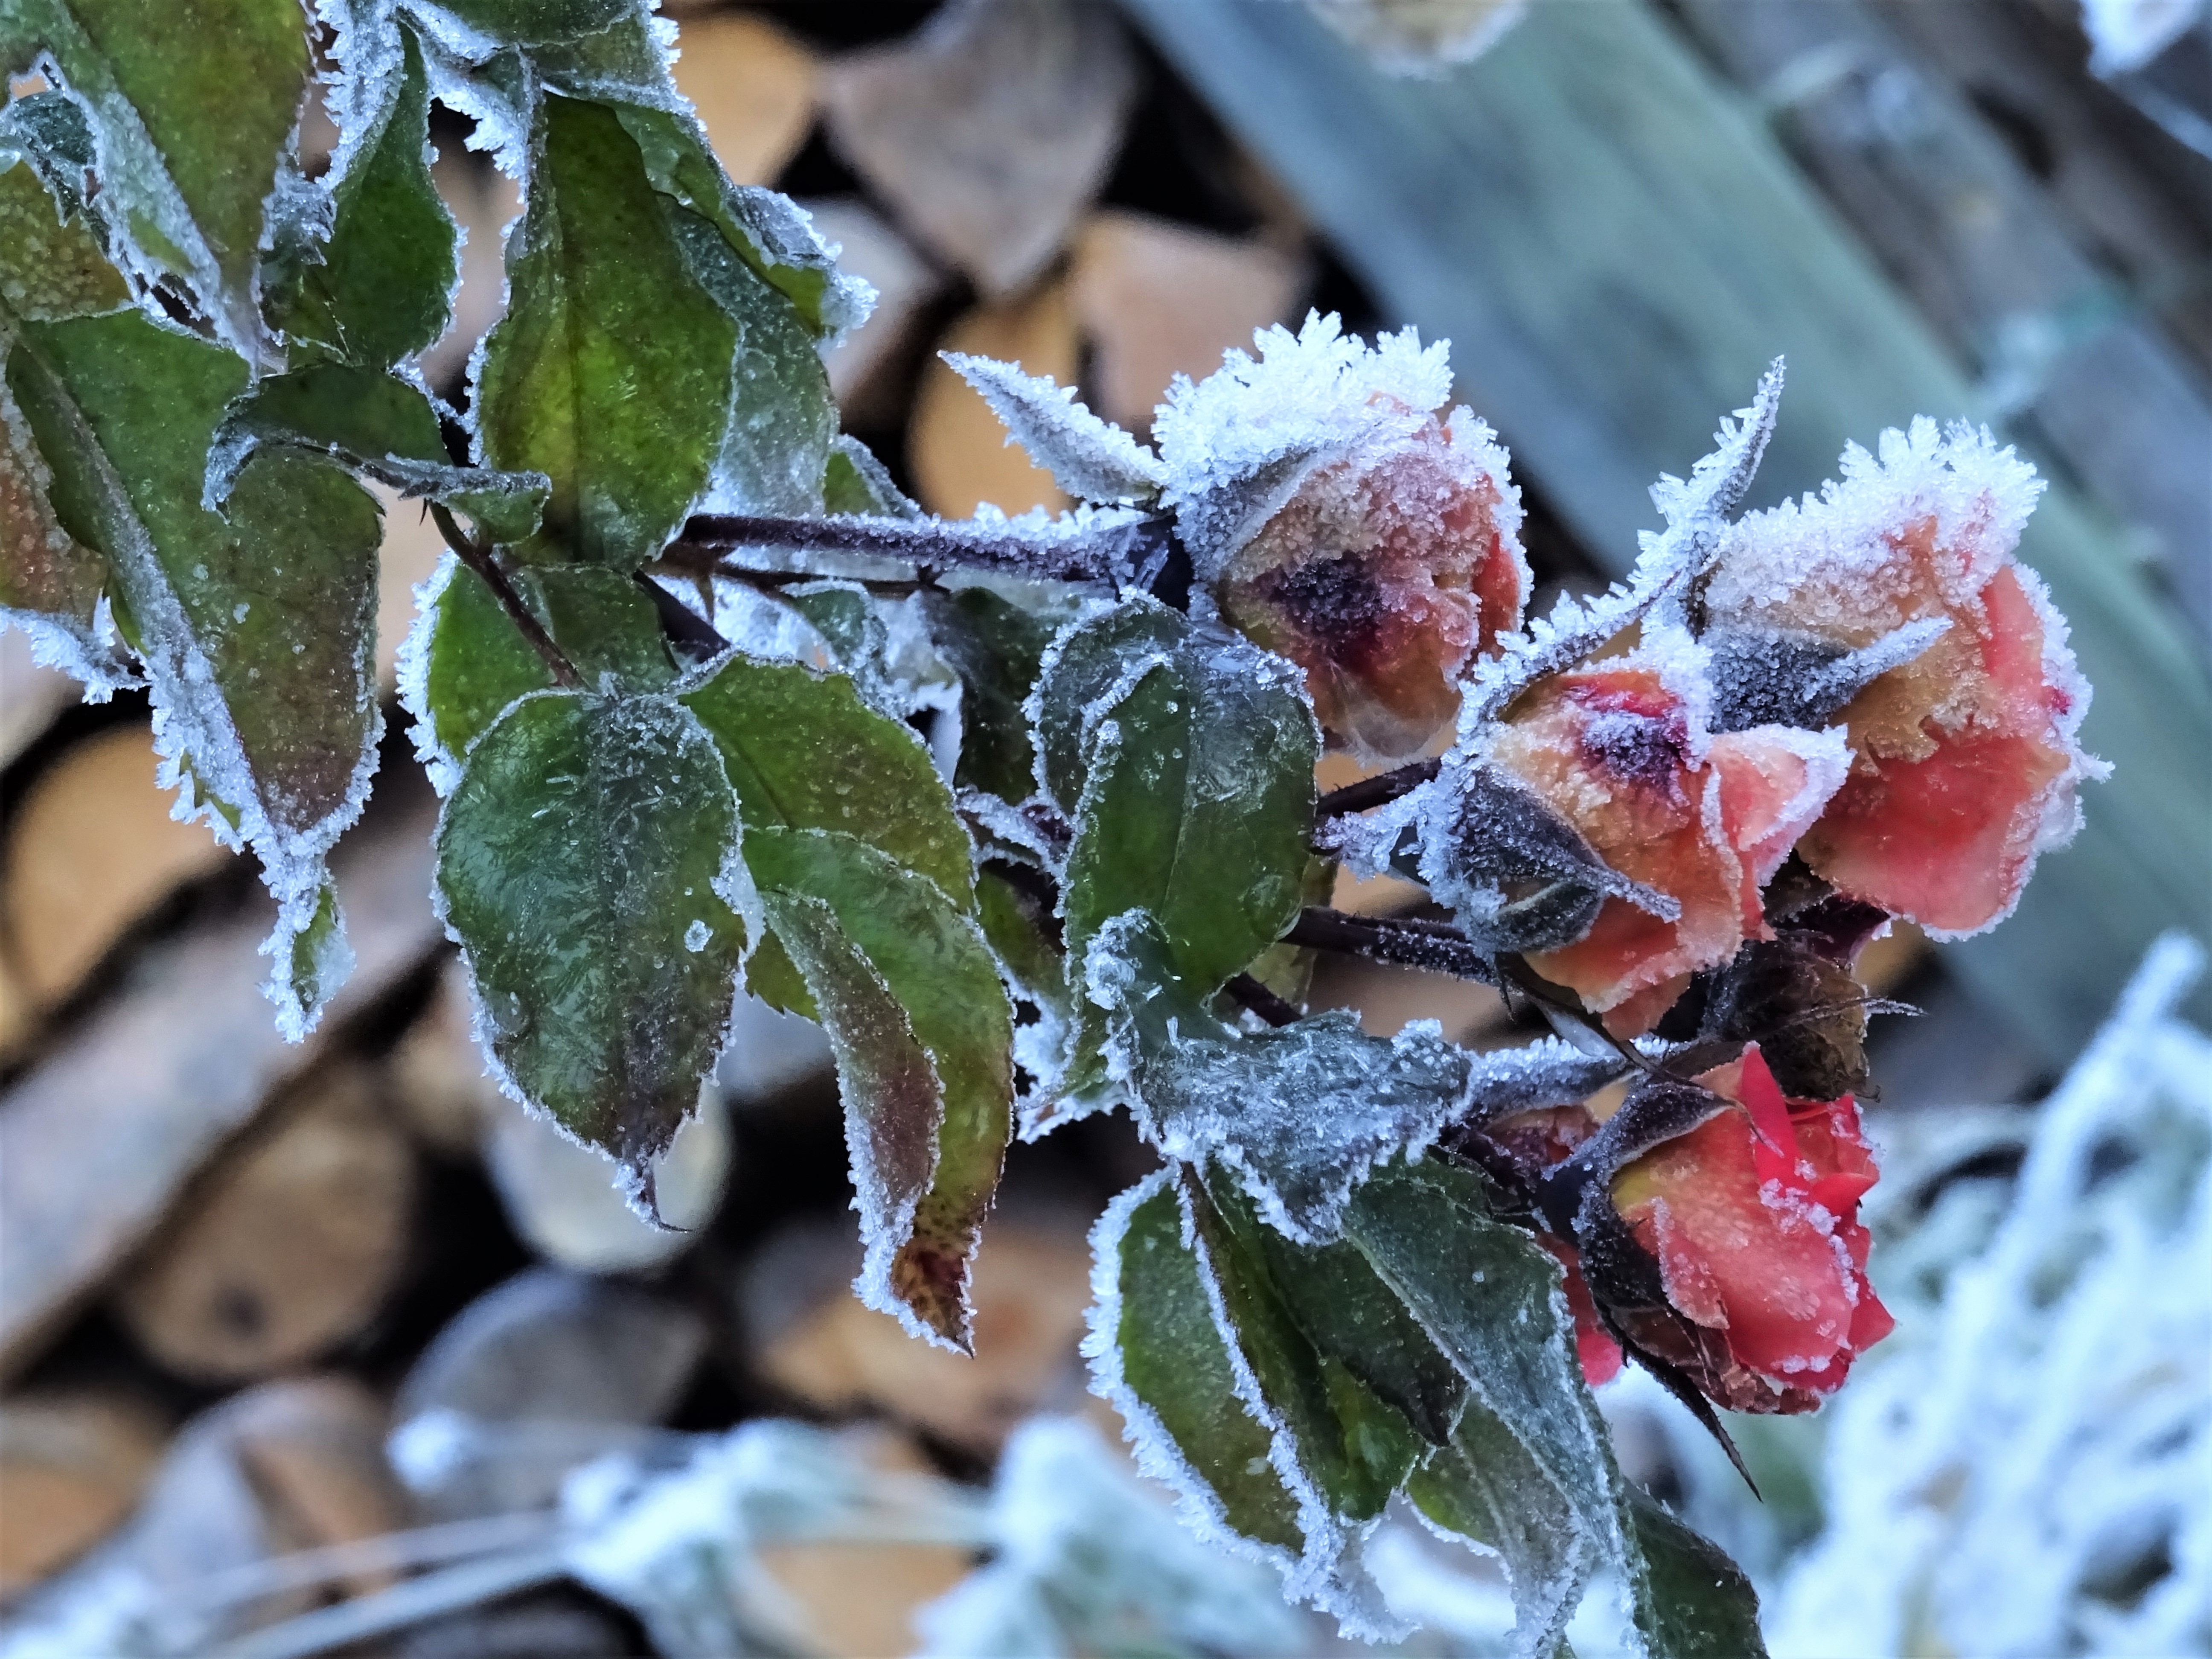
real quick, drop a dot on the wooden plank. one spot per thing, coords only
(97, 1142)
(1615, 244)
(1986, 254)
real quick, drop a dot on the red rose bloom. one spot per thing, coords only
(1964, 760)
(1339, 516)
(1752, 1217)
(1619, 751)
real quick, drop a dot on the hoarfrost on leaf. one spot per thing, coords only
(1091, 458)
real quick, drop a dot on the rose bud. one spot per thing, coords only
(1752, 1217)
(1964, 757)
(1338, 514)
(1620, 750)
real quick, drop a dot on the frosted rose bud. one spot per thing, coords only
(1341, 517)
(1963, 759)
(1753, 1218)
(1618, 750)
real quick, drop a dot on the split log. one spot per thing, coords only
(1159, 299)
(541, 1373)
(30, 694)
(754, 87)
(71, 1466)
(99, 1139)
(813, 1338)
(989, 130)
(289, 1247)
(92, 851)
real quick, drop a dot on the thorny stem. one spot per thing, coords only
(1255, 996)
(479, 559)
(1401, 941)
(1378, 791)
(935, 544)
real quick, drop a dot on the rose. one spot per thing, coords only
(1618, 751)
(1963, 759)
(1752, 1217)
(1337, 515)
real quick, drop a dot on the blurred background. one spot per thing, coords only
(299, 1346)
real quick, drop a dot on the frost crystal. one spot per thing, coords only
(1092, 459)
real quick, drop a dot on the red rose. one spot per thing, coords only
(1964, 760)
(1341, 517)
(1618, 751)
(1752, 1217)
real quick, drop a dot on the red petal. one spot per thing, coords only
(1593, 1345)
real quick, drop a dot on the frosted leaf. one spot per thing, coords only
(266, 723)
(1092, 459)
(1303, 1115)
(894, 1103)
(856, 483)
(585, 834)
(1491, 1298)
(1156, 1357)
(52, 585)
(191, 204)
(917, 964)
(311, 959)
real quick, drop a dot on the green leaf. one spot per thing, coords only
(755, 252)
(805, 751)
(1196, 804)
(855, 481)
(373, 423)
(998, 649)
(379, 288)
(1081, 666)
(1485, 1486)
(1350, 1448)
(762, 227)
(587, 865)
(1351, 1317)
(194, 103)
(1490, 1296)
(465, 662)
(931, 960)
(610, 372)
(1158, 1358)
(51, 263)
(257, 632)
(1700, 1605)
(538, 22)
